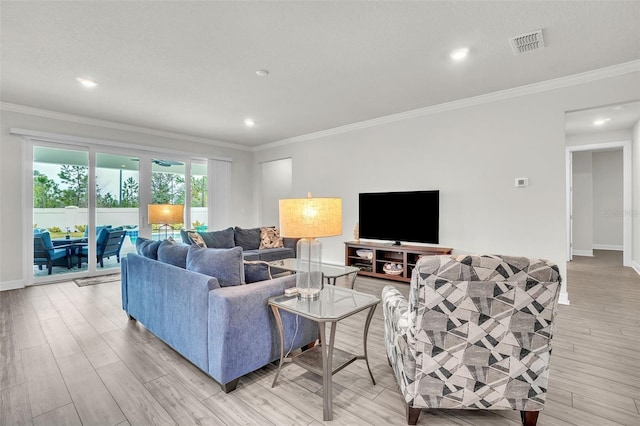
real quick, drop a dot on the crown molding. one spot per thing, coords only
(557, 83)
(23, 109)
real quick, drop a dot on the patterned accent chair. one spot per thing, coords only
(475, 334)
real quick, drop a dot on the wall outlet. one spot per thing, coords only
(522, 182)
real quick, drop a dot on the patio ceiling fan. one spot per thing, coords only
(163, 163)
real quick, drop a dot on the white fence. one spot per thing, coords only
(70, 217)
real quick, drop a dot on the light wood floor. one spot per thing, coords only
(68, 355)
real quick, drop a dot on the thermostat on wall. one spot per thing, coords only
(522, 182)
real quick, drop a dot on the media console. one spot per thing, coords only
(387, 254)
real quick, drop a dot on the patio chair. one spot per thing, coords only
(108, 244)
(45, 254)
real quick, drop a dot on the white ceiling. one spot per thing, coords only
(189, 67)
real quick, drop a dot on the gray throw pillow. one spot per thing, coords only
(173, 253)
(219, 239)
(147, 248)
(248, 239)
(224, 264)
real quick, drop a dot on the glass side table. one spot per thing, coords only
(330, 272)
(334, 304)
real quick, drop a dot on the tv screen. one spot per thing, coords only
(412, 216)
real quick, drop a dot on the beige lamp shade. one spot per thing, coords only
(310, 217)
(166, 214)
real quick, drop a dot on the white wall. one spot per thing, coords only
(607, 200)
(582, 203)
(12, 171)
(275, 184)
(635, 151)
(472, 155)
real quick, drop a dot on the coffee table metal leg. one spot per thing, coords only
(327, 369)
(276, 314)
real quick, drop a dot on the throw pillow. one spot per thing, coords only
(147, 248)
(173, 253)
(248, 239)
(219, 239)
(197, 239)
(270, 238)
(224, 264)
(255, 271)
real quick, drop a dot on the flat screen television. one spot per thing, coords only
(412, 216)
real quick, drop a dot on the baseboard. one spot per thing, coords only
(583, 253)
(607, 247)
(564, 298)
(636, 266)
(11, 285)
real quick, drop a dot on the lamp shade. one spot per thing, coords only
(165, 214)
(310, 217)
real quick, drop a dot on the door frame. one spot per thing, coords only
(627, 195)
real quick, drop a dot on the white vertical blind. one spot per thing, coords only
(219, 194)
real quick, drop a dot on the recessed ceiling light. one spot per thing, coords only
(459, 54)
(601, 121)
(87, 82)
(262, 73)
(249, 122)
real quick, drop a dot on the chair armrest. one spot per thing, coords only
(395, 307)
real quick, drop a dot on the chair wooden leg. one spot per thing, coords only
(413, 414)
(529, 418)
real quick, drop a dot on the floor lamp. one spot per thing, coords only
(307, 219)
(166, 215)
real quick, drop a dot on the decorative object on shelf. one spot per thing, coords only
(393, 268)
(365, 253)
(356, 232)
(307, 219)
(165, 214)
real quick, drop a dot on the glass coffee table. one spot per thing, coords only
(333, 305)
(330, 272)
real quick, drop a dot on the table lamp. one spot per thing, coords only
(165, 214)
(307, 219)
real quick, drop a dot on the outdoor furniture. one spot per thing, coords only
(108, 244)
(45, 254)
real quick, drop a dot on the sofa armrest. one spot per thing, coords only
(243, 334)
(292, 244)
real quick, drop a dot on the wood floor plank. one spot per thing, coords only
(142, 365)
(135, 401)
(47, 390)
(11, 368)
(61, 342)
(602, 408)
(234, 411)
(27, 331)
(63, 416)
(182, 405)
(93, 345)
(15, 408)
(91, 399)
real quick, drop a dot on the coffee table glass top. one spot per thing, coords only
(329, 271)
(334, 304)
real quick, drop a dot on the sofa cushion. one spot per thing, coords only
(197, 239)
(224, 264)
(147, 248)
(248, 239)
(219, 239)
(269, 255)
(173, 253)
(255, 271)
(251, 255)
(270, 238)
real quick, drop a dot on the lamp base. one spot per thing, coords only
(308, 294)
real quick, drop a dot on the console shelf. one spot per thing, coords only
(382, 254)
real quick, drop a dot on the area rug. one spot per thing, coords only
(81, 282)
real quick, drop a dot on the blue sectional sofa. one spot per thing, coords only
(250, 239)
(222, 325)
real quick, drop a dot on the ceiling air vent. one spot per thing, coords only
(527, 42)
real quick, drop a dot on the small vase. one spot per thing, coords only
(356, 232)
